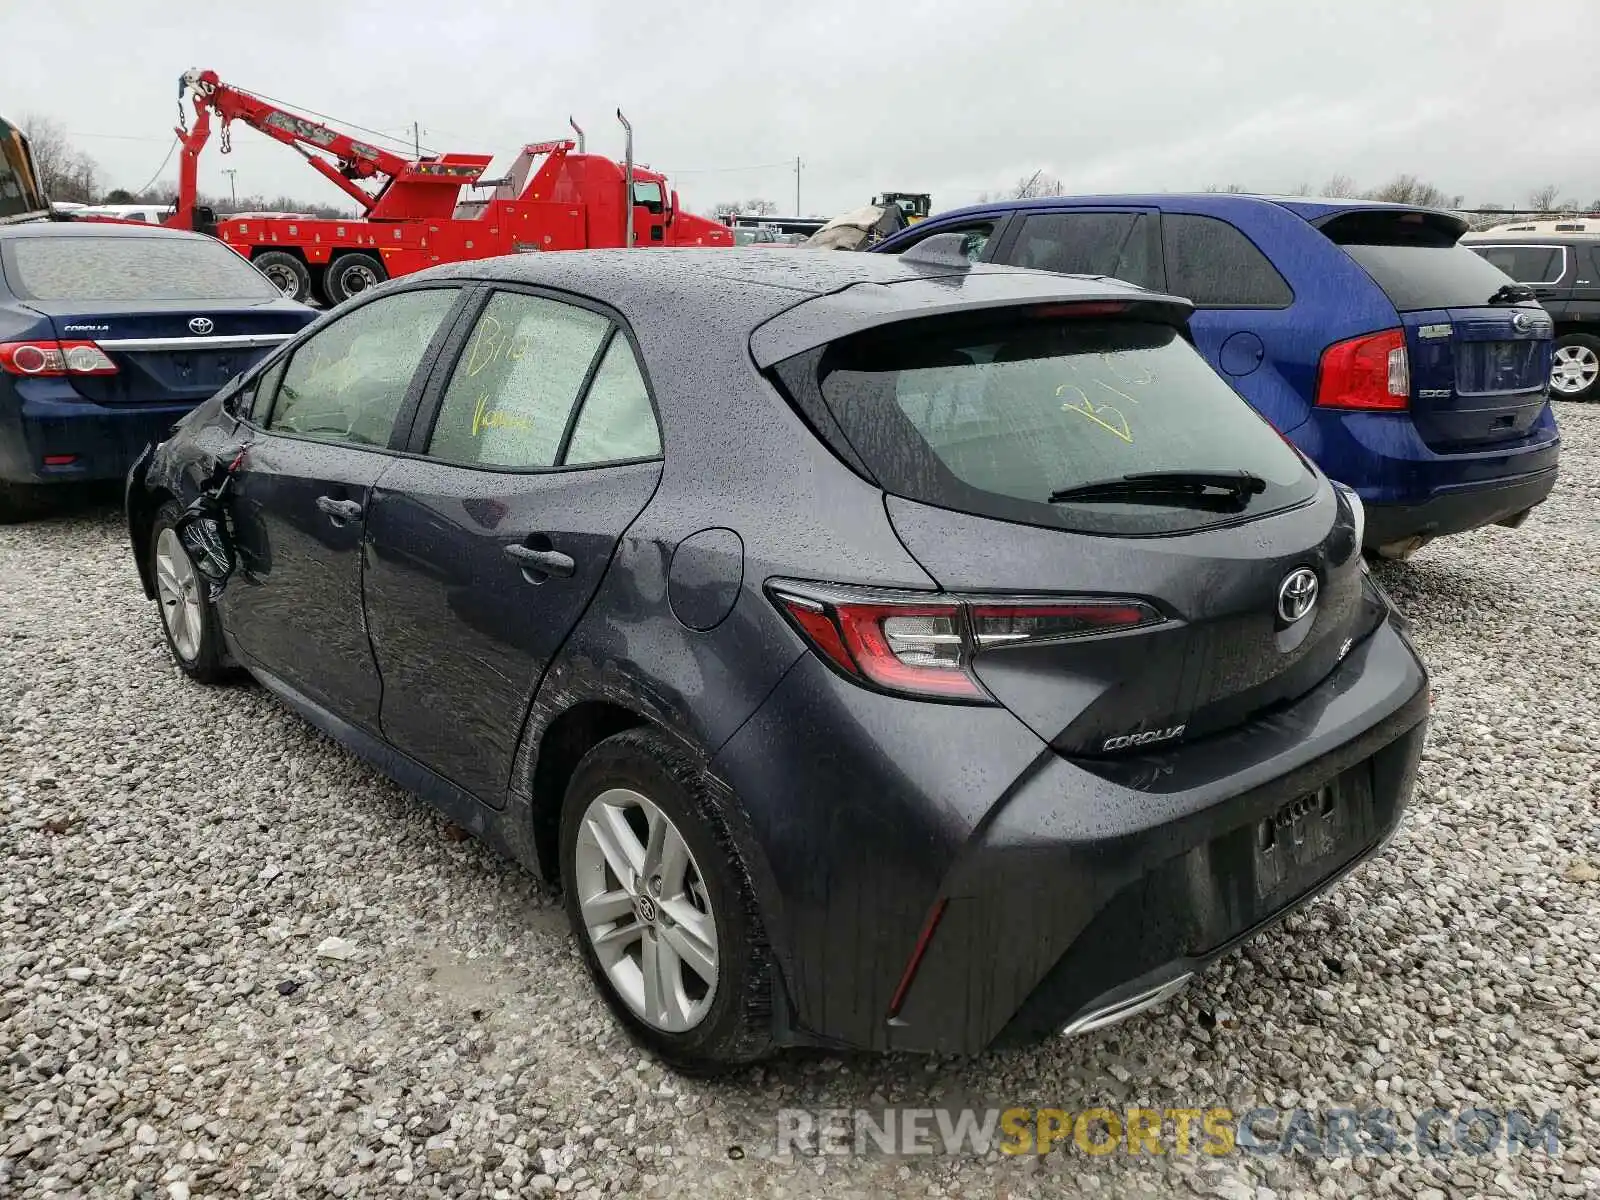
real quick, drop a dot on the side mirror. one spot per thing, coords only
(672, 213)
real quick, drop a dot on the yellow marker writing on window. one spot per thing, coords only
(1106, 416)
(484, 417)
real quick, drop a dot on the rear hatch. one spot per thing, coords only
(1478, 344)
(177, 316)
(1036, 457)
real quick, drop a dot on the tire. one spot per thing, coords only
(350, 275)
(291, 276)
(22, 502)
(1575, 374)
(705, 902)
(195, 643)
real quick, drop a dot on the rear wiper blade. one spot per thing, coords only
(1511, 293)
(1188, 486)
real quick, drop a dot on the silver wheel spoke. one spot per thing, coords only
(611, 946)
(664, 1002)
(693, 938)
(605, 907)
(617, 842)
(179, 589)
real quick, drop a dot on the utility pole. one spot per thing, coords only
(233, 187)
(797, 185)
(416, 139)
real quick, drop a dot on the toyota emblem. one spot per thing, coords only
(1297, 594)
(201, 325)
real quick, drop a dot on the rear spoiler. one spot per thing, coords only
(968, 290)
(1393, 227)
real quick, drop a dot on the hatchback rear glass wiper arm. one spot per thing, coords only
(1512, 293)
(1201, 486)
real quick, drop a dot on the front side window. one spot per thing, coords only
(1216, 266)
(1116, 244)
(1526, 264)
(998, 417)
(649, 195)
(514, 387)
(347, 382)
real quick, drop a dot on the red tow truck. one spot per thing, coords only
(555, 197)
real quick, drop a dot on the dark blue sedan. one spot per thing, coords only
(110, 333)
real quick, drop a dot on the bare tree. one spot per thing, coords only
(726, 210)
(1408, 189)
(1232, 189)
(65, 172)
(1301, 189)
(1543, 199)
(1040, 183)
(760, 208)
(1340, 187)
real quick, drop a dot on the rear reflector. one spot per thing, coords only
(913, 644)
(60, 460)
(1369, 373)
(915, 961)
(50, 358)
(1087, 308)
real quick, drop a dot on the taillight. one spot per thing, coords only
(1371, 373)
(915, 644)
(47, 358)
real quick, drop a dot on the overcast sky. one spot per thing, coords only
(931, 95)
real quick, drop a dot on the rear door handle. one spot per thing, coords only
(545, 562)
(339, 510)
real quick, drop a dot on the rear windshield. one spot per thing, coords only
(121, 269)
(994, 418)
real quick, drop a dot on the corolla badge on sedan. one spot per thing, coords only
(799, 636)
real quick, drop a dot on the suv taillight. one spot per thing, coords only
(48, 358)
(1371, 373)
(917, 644)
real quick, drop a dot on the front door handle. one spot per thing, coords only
(340, 510)
(544, 562)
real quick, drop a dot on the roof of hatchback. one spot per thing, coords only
(742, 287)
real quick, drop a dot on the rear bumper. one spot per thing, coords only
(1457, 510)
(1067, 886)
(101, 440)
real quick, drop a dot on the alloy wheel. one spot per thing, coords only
(178, 585)
(1573, 369)
(646, 911)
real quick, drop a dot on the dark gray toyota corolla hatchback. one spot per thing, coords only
(881, 652)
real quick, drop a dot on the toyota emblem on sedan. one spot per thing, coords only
(201, 325)
(1297, 594)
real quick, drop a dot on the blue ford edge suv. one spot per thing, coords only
(1401, 362)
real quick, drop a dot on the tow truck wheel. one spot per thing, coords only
(288, 274)
(350, 275)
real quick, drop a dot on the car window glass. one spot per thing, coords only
(1594, 265)
(617, 422)
(1526, 264)
(1117, 244)
(995, 417)
(263, 392)
(515, 383)
(347, 382)
(131, 266)
(1216, 266)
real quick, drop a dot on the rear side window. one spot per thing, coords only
(1216, 266)
(1119, 244)
(616, 422)
(1526, 264)
(1423, 277)
(130, 269)
(994, 418)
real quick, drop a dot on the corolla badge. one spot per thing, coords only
(201, 325)
(1297, 594)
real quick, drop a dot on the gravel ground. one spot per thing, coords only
(174, 1020)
